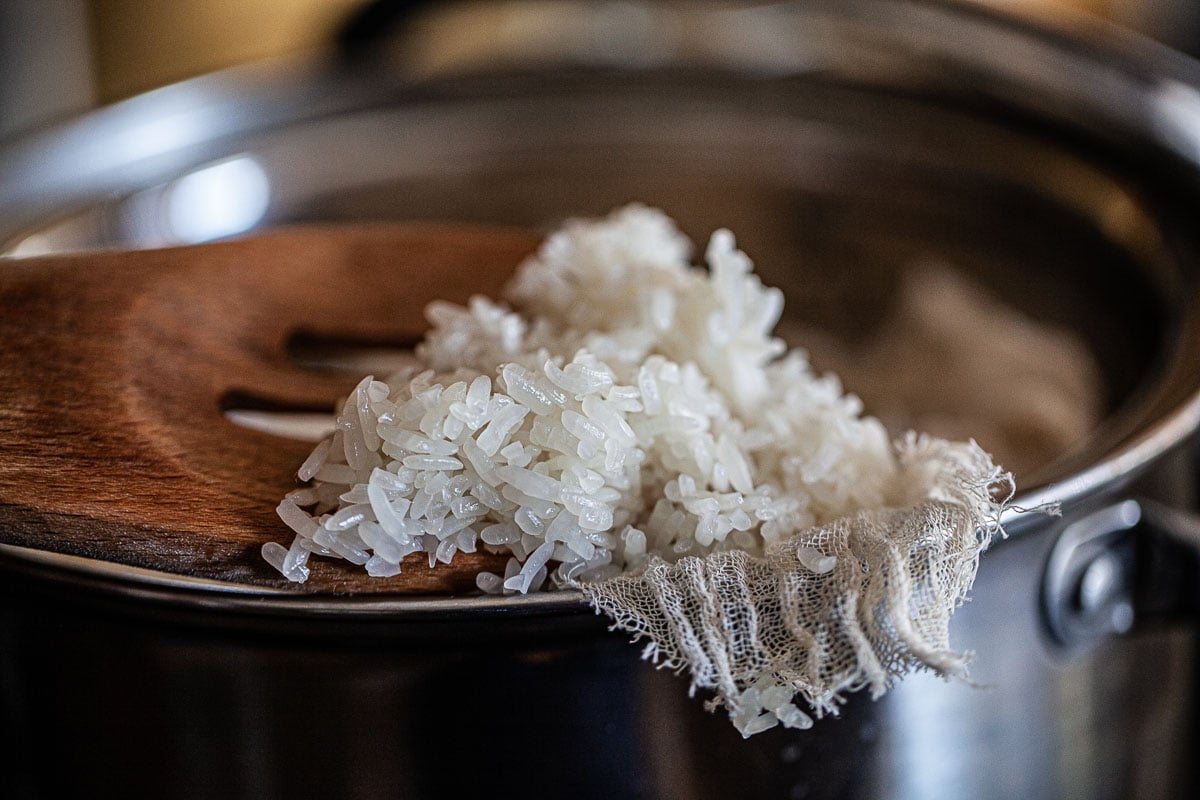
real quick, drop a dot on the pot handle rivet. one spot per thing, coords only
(1132, 561)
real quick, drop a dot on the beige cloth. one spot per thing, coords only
(850, 605)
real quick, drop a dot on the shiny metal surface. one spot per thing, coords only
(113, 695)
(862, 109)
(1087, 591)
(136, 583)
(1062, 170)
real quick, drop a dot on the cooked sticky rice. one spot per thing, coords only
(622, 412)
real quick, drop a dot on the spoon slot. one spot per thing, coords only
(349, 354)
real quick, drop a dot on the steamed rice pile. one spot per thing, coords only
(633, 429)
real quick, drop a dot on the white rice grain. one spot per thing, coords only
(314, 461)
(631, 406)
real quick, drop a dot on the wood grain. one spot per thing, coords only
(113, 444)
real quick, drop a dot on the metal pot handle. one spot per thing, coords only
(1136, 561)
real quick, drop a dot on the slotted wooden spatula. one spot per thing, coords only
(116, 366)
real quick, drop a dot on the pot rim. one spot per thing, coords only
(250, 99)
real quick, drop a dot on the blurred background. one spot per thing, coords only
(59, 57)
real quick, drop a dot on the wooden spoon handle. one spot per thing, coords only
(113, 444)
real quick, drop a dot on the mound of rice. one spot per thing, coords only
(633, 430)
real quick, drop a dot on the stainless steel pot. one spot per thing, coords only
(839, 140)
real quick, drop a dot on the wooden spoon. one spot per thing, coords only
(113, 442)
